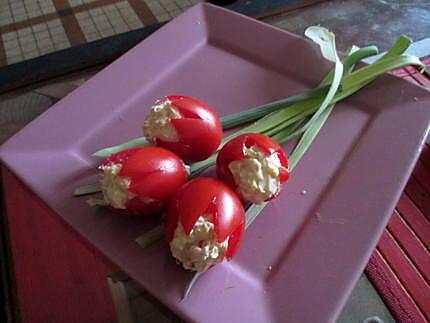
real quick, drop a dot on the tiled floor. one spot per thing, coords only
(30, 28)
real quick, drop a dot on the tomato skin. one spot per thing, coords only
(199, 130)
(234, 150)
(208, 196)
(155, 175)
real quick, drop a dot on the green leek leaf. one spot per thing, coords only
(237, 119)
(326, 40)
(106, 152)
(151, 236)
(190, 285)
(87, 189)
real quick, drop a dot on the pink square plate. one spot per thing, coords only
(302, 256)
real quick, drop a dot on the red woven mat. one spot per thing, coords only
(400, 266)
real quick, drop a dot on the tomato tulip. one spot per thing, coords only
(205, 223)
(254, 165)
(184, 125)
(142, 180)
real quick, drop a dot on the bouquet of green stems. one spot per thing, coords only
(300, 116)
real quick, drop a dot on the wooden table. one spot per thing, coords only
(73, 276)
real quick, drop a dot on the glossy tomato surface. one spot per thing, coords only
(234, 150)
(155, 174)
(199, 129)
(217, 202)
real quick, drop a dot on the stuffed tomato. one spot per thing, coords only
(205, 223)
(184, 125)
(254, 165)
(141, 180)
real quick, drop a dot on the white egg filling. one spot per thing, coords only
(114, 187)
(199, 250)
(257, 176)
(157, 123)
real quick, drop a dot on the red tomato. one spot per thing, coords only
(154, 174)
(202, 196)
(199, 129)
(234, 150)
